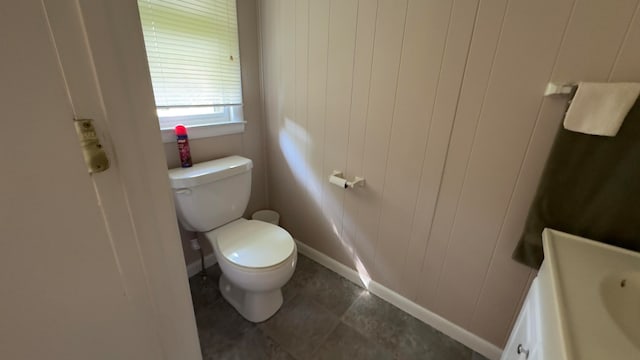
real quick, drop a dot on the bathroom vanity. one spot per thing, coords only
(584, 304)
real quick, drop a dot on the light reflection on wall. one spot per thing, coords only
(293, 139)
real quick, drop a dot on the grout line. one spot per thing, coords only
(266, 334)
(372, 339)
(353, 303)
(361, 289)
(453, 331)
(325, 338)
(341, 318)
(309, 298)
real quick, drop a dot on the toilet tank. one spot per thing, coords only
(212, 193)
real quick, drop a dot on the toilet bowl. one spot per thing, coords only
(256, 258)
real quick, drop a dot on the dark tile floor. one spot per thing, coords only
(324, 316)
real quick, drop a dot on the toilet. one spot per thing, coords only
(256, 258)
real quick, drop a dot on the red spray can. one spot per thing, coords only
(183, 146)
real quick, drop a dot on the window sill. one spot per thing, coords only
(205, 131)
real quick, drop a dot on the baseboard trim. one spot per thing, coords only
(194, 267)
(472, 341)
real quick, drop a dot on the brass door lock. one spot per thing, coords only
(94, 156)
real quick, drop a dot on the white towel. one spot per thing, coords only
(600, 108)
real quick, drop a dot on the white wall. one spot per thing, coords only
(439, 105)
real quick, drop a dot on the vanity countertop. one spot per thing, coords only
(590, 298)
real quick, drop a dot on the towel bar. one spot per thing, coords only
(560, 89)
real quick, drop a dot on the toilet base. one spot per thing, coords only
(253, 306)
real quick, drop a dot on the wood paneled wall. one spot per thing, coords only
(439, 105)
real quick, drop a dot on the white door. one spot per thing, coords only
(73, 279)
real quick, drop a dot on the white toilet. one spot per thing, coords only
(256, 258)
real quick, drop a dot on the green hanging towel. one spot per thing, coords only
(591, 188)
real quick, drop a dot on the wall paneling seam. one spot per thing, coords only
(348, 126)
(510, 202)
(624, 41)
(386, 165)
(424, 152)
(426, 250)
(366, 118)
(263, 105)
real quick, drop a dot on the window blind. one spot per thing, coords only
(192, 48)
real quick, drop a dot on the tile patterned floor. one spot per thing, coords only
(324, 316)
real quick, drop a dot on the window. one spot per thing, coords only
(194, 60)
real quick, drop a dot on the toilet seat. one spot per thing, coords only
(254, 244)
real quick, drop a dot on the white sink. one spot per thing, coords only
(596, 291)
(621, 296)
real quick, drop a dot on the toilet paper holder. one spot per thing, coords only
(337, 178)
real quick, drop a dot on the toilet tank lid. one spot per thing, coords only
(209, 171)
